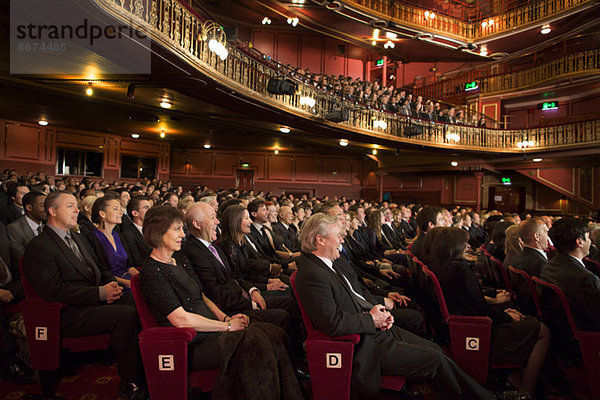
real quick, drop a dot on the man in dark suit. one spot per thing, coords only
(336, 307)
(61, 268)
(131, 234)
(533, 232)
(476, 231)
(405, 227)
(285, 229)
(428, 218)
(25, 228)
(210, 264)
(389, 233)
(571, 238)
(14, 210)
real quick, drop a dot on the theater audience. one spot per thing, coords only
(427, 218)
(131, 234)
(84, 219)
(497, 245)
(566, 269)
(175, 297)
(533, 233)
(516, 338)
(512, 246)
(61, 268)
(14, 210)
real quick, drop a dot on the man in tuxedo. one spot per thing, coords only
(25, 228)
(131, 234)
(336, 307)
(210, 264)
(405, 227)
(533, 232)
(285, 229)
(14, 210)
(389, 233)
(476, 231)
(428, 218)
(571, 238)
(61, 268)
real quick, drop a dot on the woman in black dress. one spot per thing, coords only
(516, 338)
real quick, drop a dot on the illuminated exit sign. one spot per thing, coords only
(550, 105)
(506, 181)
(471, 86)
(379, 63)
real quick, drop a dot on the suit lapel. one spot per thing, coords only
(87, 256)
(27, 232)
(68, 253)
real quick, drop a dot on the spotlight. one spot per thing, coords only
(343, 142)
(89, 91)
(454, 164)
(135, 135)
(283, 129)
(131, 91)
(162, 134)
(546, 29)
(537, 159)
(207, 146)
(165, 103)
(43, 122)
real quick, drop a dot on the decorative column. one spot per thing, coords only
(479, 178)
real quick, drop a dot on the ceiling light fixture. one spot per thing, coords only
(391, 35)
(266, 21)
(135, 135)
(165, 103)
(546, 29)
(375, 34)
(43, 122)
(454, 164)
(389, 45)
(276, 151)
(162, 134)
(537, 159)
(374, 43)
(89, 91)
(207, 146)
(284, 129)
(293, 21)
(343, 142)
(374, 152)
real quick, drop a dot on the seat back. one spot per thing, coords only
(438, 291)
(146, 317)
(589, 342)
(527, 297)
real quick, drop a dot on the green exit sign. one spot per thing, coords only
(471, 86)
(550, 105)
(245, 165)
(379, 63)
(506, 181)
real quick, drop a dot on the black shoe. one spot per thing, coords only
(302, 375)
(19, 373)
(511, 395)
(133, 391)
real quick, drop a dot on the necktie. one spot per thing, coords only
(269, 236)
(345, 254)
(39, 229)
(73, 246)
(364, 304)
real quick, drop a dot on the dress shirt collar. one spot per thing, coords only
(389, 224)
(258, 227)
(139, 228)
(61, 234)
(579, 261)
(32, 224)
(327, 262)
(542, 252)
(204, 242)
(286, 226)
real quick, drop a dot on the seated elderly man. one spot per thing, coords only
(336, 307)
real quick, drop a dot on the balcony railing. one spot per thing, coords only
(581, 63)
(466, 22)
(178, 29)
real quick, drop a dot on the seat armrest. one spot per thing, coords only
(316, 335)
(168, 333)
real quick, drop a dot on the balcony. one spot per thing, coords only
(179, 30)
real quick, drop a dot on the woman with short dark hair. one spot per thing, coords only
(516, 338)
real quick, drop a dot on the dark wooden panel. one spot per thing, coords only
(165, 155)
(279, 167)
(178, 165)
(335, 170)
(140, 147)
(224, 164)
(111, 153)
(79, 140)
(22, 142)
(306, 169)
(465, 189)
(201, 163)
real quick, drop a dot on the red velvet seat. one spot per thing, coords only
(497, 264)
(328, 380)
(165, 355)
(589, 342)
(592, 265)
(42, 323)
(470, 336)
(527, 279)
